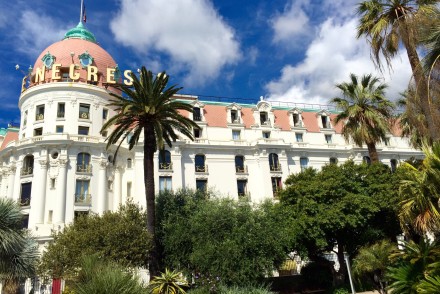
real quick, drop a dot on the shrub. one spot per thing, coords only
(169, 282)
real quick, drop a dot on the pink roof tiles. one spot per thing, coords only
(9, 137)
(215, 115)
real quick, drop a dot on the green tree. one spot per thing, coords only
(388, 23)
(119, 236)
(372, 261)
(342, 206)
(102, 277)
(420, 194)
(149, 111)
(365, 111)
(18, 250)
(223, 240)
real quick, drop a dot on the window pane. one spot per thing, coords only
(236, 135)
(165, 183)
(299, 137)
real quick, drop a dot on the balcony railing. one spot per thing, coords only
(60, 114)
(244, 196)
(241, 169)
(25, 201)
(84, 115)
(26, 171)
(201, 168)
(166, 166)
(83, 199)
(276, 168)
(197, 117)
(39, 116)
(84, 168)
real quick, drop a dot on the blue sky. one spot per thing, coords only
(291, 50)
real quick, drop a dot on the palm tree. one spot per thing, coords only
(366, 113)
(420, 191)
(147, 108)
(18, 251)
(386, 24)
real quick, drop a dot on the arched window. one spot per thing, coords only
(239, 164)
(83, 163)
(333, 160)
(200, 163)
(165, 159)
(274, 164)
(129, 163)
(366, 159)
(28, 165)
(393, 164)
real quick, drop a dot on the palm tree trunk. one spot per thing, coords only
(149, 149)
(372, 151)
(422, 91)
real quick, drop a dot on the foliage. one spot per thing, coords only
(148, 110)
(372, 261)
(340, 291)
(412, 265)
(242, 289)
(365, 112)
(100, 277)
(169, 282)
(208, 237)
(344, 205)
(420, 193)
(18, 250)
(431, 285)
(317, 274)
(118, 236)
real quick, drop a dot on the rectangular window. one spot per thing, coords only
(82, 192)
(65, 75)
(49, 217)
(197, 116)
(266, 135)
(325, 122)
(242, 188)
(234, 116)
(84, 111)
(104, 114)
(129, 163)
(299, 137)
(52, 183)
(25, 197)
(296, 120)
(328, 139)
(165, 184)
(38, 132)
(387, 141)
(197, 133)
(303, 162)
(263, 118)
(276, 186)
(25, 118)
(104, 134)
(83, 131)
(129, 189)
(235, 135)
(61, 111)
(201, 185)
(25, 221)
(39, 114)
(59, 129)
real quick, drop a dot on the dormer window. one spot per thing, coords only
(48, 60)
(234, 116)
(325, 122)
(233, 112)
(85, 59)
(296, 121)
(197, 114)
(263, 118)
(324, 119)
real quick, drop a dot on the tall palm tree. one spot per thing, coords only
(147, 111)
(420, 191)
(365, 111)
(18, 251)
(388, 23)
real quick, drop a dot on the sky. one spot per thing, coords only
(291, 51)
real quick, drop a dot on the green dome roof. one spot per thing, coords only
(80, 32)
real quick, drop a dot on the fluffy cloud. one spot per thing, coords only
(191, 32)
(329, 59)
(290, 25)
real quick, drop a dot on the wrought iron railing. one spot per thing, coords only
(241, 169)
(201, 168)
(83, 199)
(165, 166)
(275, 167)
(84, 168)
(27, 170)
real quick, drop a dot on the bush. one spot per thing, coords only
(249, 289)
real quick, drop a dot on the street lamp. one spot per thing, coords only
(347, 262)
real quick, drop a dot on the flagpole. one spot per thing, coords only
(81, 14)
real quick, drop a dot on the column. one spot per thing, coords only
(60, 206)
(11, 181)
(102, 187)
(38, 193)
(117, 189)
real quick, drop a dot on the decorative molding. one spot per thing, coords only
(43, 163)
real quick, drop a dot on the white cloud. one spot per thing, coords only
(329, 59)
(291, 25)
(37, 31)
(191, 32)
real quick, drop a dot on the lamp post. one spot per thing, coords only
(347, 262)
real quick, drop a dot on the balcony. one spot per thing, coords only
(241, 169)
(27, 171)
(275, 168)
(60, 114)
(25, 201)
(83, 199)
(164, 166)
(84, 115)
(84, 168)
(197, 117)
(201, 168)
(39, 117)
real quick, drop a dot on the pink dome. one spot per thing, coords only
(68, 51)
